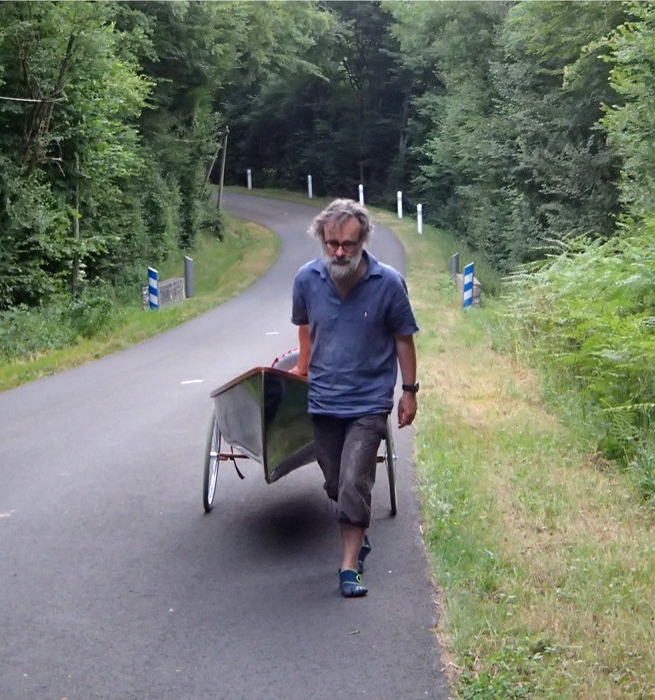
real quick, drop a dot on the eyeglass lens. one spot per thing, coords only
(348, 246)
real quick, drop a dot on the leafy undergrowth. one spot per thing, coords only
(36, 343)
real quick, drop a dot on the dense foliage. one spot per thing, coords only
(525, 128)
(110, 116)
(588, 313)
(493, 115)
(344, 123)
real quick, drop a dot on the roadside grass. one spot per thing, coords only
(544, 554)
(222, 269)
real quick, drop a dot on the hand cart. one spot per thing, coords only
(262, 416)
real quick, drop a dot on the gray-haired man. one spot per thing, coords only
(356, 326)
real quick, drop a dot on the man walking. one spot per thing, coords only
(356, 327)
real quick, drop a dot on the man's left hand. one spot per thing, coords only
(406, 408)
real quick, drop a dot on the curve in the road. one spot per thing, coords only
(115, 584)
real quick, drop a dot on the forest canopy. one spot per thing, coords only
(510, 122)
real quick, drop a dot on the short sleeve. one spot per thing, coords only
(299, 313)
(401, 317)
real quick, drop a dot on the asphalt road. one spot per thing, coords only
(114, 584)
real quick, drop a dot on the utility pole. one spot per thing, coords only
(75, 276)
(220, 184)
(211, 165)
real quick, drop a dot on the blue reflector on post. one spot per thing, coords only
(153, 287)
(468, 286)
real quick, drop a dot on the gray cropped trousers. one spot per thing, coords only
(346, 451)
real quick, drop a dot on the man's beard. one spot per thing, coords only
(342, 268)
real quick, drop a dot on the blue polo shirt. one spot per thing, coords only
(353, 365)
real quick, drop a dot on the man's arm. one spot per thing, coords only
(406, 352)
(304, 347)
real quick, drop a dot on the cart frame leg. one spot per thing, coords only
(390, 460)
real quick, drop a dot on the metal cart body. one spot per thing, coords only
(262, 416)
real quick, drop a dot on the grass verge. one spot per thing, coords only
(544, 554)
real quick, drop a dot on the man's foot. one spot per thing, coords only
(363, 553)
(350, 583)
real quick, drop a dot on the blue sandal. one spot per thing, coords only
(363, 553)
(350, 583)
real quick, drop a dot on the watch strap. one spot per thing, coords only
(410, 387)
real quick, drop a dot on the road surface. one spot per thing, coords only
(115, 585)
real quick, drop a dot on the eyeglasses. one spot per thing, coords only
(348, 246)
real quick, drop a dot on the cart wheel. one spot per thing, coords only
(390, 461)
(211, 464)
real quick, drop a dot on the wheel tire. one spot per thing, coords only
(390, 461)
(212, 452)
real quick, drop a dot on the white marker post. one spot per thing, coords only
(249, 179)
(454, 265)
(361, 195)
(400, 204)
(419, 217)
(309, 186)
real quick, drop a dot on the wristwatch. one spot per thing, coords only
(411, 387)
